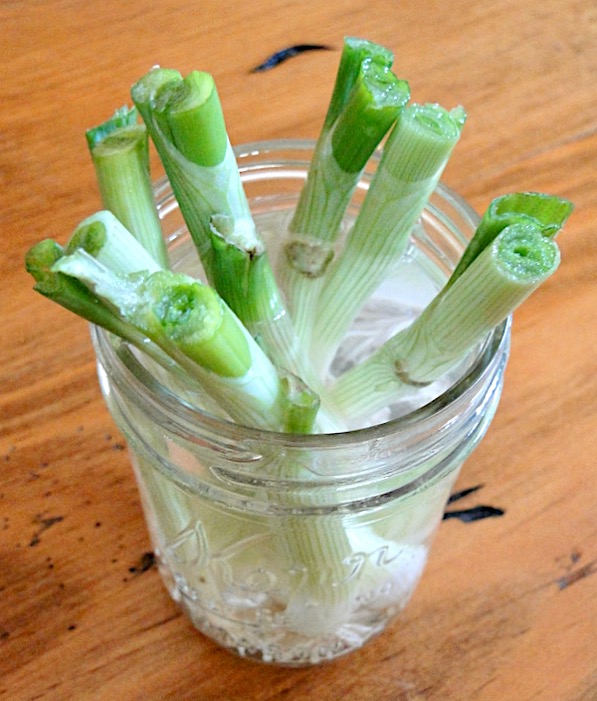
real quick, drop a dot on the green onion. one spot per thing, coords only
(366, 101)
(73, 295)
(501, 277)
(69, 292)
(120, 156)
(193, 318)
(185, 120)
(371, 107)
(186, 125)
(318, 547)
(193, 327)
(190, 108)
(247, 284)
(354, 52)
(412, 162)
(192, 323)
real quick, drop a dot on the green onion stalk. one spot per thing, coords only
(106, 246)
(335, 558)
(504, 273)
(192, 325)
(499, 279)
(89, 237)
(119, 151)
(70, 293)
(185, 120)
(184, 318)
(246, 282)
(317, 549)
(74, 296)
(366, 101)
(412, 162)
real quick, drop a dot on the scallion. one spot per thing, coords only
(412, 162)
(120, 155)
(500, 278)
(366, 101)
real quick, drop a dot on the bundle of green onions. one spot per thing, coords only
(259, 343)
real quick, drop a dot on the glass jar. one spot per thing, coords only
(297, 566)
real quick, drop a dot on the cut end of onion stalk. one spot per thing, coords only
(182, 108)
(196, 320)
(525, 255)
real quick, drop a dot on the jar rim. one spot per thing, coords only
(128, 372)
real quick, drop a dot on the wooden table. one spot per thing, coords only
(506, 609)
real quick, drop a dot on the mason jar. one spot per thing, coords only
(297, 549)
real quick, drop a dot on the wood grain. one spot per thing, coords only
(506, 609)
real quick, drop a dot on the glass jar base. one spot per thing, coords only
(264, 636)
(287, 628)
(272, 646)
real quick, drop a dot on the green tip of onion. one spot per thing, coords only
(383, 85)
(91, 237)
(300, 403)
(371, 108)
(362, 49)
(422, 140)
(39, 260)
(180, 302)
(194, 318)
(123, 118)
(436, 121)
(119, 150)
(145, 89)
(355, 51)
(189, 111)
(103, 236)
(546, 213)
(70, 293)
(118, 141)
(524, 254)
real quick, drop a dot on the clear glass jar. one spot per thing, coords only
(295, 570)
